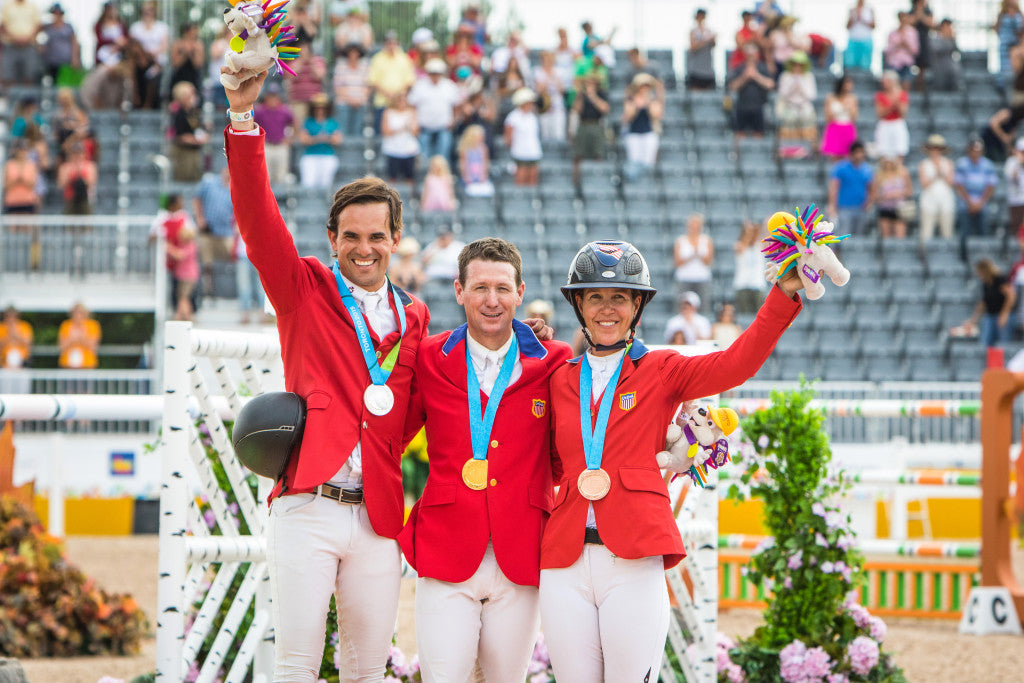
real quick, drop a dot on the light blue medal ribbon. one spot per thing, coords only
(480, 424)
(378, 374)
(593, 438)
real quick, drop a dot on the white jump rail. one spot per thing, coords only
(188, 551)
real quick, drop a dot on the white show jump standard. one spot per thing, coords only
(871, 407)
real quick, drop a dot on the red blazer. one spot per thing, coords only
(635, 519)
(320, 350)
(448, 529)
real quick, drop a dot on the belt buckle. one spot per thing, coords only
(330, 491)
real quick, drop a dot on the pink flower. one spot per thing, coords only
(818, 509)
(399, 665)
(724, 642)
(414, 664)
(877, 628)
(735, 674)
(110, 679)
(762, 441)
(193, 672)
(820, 540)
(797, 664)
(827, 567)
(795, 560)
(860, 615)
(788, 583)
(837, 678)
(540, 678)
(863, 655)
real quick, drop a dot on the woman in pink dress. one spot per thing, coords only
(840, 120)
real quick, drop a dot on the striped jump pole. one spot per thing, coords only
(871, 407)
(872, 546)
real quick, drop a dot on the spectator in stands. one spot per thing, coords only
(748, 34)
(994, 310)
(591, 40)
(946, 74)
(277, 121)
(391, 73)
(893, 191)
(153, 36)
(502, 56)
(860, 45)
(594, 66)
(184, 256)
(974, 181)
(407, 272)
(639, 64)
(354, 29)
(522, 137)
(79, 340)
(998, 135)
(694, 253)
(1009, 27)
(438, 192)
(250, 290)
(642, 113)
(902, 48)
(464, 50)
(188, 57)
(308, 82)
(434, 96)
(565, 59)
(892, 138)
(1013, 171)
(474, 163)
(748, 281)
(851, 191)
(77, 177)
(20, 21)
(321, 134)
(937, 202)
(70, 123)
(924, 22)
(422, 43)
(478, 109)
(215, 219)
(688, 326)
(591, 106)
(111, 34)
(785, 41)
(441, 257)
(351, 92)
(28, 126)
(218, 48)
(400, 140)
(26, 116)
(477, 23)
(750, 84)
(21, 181)
(841, 112)
(794, 108)
(189, 136)
(61, 46)
(700, 63)
(508, 83)
(550, 98)
(304, 15)
(724, 331)
(15, 340)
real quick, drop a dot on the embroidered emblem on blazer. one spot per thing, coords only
(539, 407)
(627, 401)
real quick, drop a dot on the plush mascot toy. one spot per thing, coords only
(801, 242)
(696, 441)
(260, 40)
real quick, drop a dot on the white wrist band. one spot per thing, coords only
(240, 118)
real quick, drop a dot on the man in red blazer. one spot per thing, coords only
(474, 536)
(348, 341)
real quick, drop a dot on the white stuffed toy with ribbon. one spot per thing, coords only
(801, 242)
(696, 441)
(260, 40)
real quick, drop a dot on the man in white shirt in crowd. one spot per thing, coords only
(435, 97)
(441, 257)
(688, 326)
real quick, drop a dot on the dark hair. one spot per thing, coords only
(368, 190)
(857, 146)
(174, 200)
(837, 89)
(490, 249)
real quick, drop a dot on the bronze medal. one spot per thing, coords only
(594, 484)
(474, 474)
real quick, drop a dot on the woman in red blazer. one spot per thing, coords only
(611, 535)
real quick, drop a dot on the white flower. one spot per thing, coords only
(762, 441)
(827, 567)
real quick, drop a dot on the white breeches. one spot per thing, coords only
(316, 547)
(605, 618)
(486, 617)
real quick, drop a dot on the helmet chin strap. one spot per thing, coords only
(621, 344)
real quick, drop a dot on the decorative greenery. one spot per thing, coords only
(48, 607)
(415, 466)
(814, 629)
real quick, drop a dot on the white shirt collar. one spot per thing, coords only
(605, 363)
(480, 353)
(359, 294)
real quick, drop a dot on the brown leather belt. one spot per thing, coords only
(348, 496)
(591, 536)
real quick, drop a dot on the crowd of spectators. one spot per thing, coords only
(78, 340)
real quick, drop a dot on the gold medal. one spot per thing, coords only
(594, 484)
(474, 474)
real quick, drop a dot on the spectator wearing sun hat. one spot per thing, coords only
(937, 200)
(522, 135)
(391, 72)
(435, 97)
(688, 326)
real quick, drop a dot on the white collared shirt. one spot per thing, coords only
(601, 370)
(382, 320)
(487, 363)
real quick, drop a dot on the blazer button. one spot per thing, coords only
(494, 482)
(364, 424)
(494, 443)
(378, 354)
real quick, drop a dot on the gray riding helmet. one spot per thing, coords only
(268, 428)
(609, 263)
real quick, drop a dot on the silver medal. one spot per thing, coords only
(379, 399)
